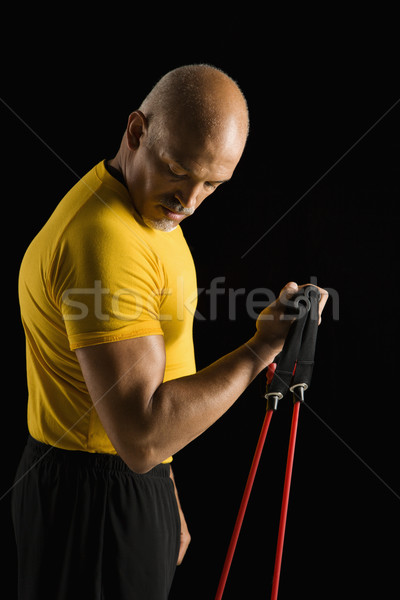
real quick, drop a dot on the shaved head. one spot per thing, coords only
(200, 98)
(182, 143)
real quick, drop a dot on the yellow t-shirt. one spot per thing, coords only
(96, 273)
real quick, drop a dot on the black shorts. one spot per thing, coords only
(86, 526)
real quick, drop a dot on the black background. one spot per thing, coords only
(322, 150)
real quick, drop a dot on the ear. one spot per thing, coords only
(137, 125)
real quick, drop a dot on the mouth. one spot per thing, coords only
(170, 214)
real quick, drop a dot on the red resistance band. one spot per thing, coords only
(298, 352)
(243, 505)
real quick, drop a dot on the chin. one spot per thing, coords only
(160, 224)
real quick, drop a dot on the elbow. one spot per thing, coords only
(137, 444)
(140, 458)
(141, 465)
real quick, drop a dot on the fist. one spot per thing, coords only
(274, 321)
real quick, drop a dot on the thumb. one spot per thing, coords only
(289, 290)
(285, 300)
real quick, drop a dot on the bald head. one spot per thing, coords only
(183, 142)
(199, 98)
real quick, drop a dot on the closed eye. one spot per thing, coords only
(174, 172)
(179, 173)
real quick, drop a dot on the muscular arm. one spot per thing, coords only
(148, 420)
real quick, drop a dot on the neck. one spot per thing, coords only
(114, 162)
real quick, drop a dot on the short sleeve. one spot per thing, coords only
(107, 282)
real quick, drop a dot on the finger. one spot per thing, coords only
(323, 300)
(185, 541)
(182, 552)
(324, 294)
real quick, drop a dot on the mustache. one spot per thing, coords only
(176, 206)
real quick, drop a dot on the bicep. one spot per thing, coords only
(121, 378)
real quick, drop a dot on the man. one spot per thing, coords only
(107, 294)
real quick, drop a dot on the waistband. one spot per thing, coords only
(38, 451)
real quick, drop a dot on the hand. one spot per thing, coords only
(185, 535)
(185, 538)
(273, 323)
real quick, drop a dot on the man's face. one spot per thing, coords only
(171, 177)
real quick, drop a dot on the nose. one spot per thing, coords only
(189, 196)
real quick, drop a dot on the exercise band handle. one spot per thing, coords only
(292, 361)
